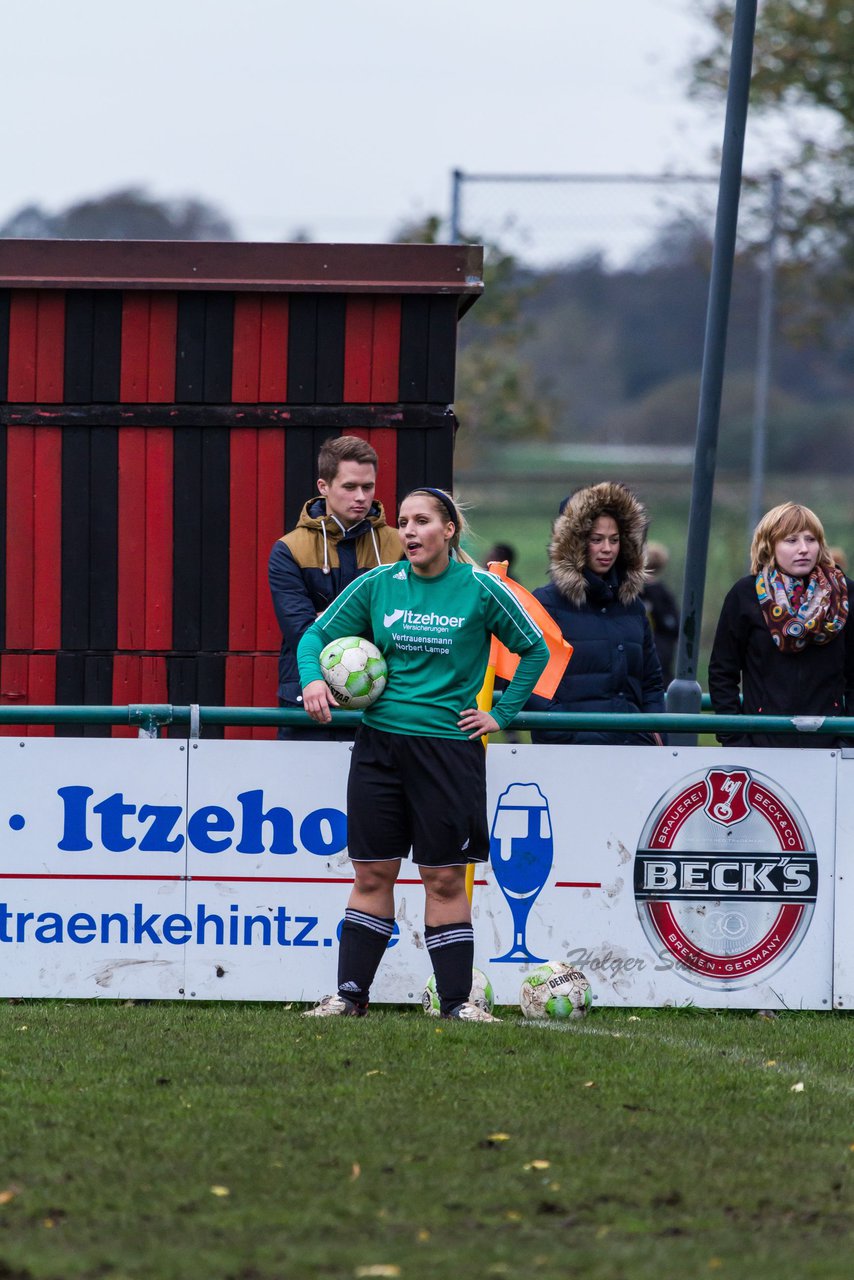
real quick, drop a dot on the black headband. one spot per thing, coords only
(446, 503)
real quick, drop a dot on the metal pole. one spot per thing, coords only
(685, 693)
(765, 336)
(456, 201)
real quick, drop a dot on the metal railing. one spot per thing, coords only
(151, 718)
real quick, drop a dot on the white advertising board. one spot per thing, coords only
(92, 861)
(278, 878)
(677, 876)
(843, 946)
(218, 870)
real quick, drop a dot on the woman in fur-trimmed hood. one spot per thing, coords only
(596, 558)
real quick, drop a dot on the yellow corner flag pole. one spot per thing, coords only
(484, 703)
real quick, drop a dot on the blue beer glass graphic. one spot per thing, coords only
(521, 851)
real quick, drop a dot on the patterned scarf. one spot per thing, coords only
(802, 611)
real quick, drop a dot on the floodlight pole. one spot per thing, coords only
(456, 200)
(685, 694)
(765, 336)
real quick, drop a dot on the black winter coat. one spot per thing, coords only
(816, 681)
(663, 613)
(614, 666)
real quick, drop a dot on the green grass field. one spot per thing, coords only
(239, 1142)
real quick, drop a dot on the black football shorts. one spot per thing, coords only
(423, 794)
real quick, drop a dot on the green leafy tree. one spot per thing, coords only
(427, 230)
(498, 398)
(804, 76)
(129, 214)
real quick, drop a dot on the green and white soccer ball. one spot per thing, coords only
(355, 671)
(555, 990)
(481, 994)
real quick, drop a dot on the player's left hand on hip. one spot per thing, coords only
(476, 723)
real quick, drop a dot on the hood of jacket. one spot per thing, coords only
(314, 516)
(571, 530)
(376, 543)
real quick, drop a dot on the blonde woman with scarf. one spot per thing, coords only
(783, 638)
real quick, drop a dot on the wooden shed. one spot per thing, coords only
(161, 409)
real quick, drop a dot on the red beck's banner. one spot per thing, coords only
(505, 663)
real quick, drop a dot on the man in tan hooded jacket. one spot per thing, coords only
(340, 533)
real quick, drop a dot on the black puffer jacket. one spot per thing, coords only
(817, 681)
(614, 666)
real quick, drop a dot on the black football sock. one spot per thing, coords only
(451, 948)
(364, 939)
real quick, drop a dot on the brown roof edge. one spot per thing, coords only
(288, 268)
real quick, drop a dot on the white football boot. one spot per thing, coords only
(336, 1007)
(469, 1012)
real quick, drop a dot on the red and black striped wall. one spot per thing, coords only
(155, 443)
(87, 346)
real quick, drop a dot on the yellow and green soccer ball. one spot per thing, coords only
(355, 671)
(481, 994)
(555, 990)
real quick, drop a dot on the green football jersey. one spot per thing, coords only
(434, 634)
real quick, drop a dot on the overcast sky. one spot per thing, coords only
(340, 117)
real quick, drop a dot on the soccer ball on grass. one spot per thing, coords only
(555, 990)
(355, 671)
(481, 994)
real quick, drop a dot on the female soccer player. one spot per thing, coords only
(418, 770)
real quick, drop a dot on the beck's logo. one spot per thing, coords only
(727, 802)
(726, 877)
